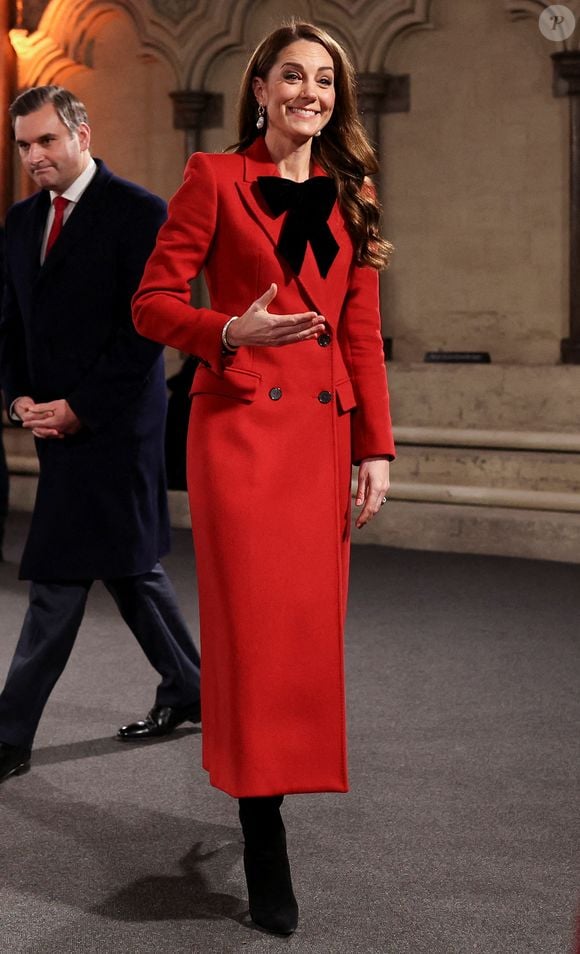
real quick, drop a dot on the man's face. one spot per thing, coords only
(51, 155)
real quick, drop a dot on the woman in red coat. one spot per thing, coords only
(290, 392)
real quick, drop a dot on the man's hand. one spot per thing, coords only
(55, 419)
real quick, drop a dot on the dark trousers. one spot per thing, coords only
(148, 605)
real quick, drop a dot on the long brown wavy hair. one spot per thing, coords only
(343, 149)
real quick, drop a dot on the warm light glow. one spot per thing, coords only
(39, 57)
(20, 42)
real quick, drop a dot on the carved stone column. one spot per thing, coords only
(193, 111)
(567, 83)
(7, 93)
(380, 93)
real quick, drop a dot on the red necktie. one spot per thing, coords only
(60, 205)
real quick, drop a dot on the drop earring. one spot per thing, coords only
(260, 120)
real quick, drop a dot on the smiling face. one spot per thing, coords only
(298, 92)
(52, 155)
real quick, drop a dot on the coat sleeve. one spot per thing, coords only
(14, 376)
(161, 307)
(362, 346)
(118, 376)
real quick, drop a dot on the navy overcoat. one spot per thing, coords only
(66, 332)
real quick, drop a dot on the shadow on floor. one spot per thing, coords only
(119, 860)
(178, 897)
(109, 745)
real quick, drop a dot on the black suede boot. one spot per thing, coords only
(272, 902)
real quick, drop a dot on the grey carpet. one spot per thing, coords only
(459, 834)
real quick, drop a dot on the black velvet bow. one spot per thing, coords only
(309, 205)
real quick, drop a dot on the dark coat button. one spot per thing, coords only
(275, 394)
(324, 340)
(325, 397)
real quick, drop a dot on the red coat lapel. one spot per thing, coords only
(257, 162)
(325, 294)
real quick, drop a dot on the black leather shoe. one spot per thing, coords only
(160, 721)
(14, 759)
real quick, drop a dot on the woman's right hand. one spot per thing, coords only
(258, 327)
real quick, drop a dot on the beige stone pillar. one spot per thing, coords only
(380, 93)
(567, 83)
(7, 93)
(193, 111)
(372, 92)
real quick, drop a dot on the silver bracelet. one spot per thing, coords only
(225, 342)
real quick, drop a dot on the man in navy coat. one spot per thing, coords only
(92, 391)
(4, 480)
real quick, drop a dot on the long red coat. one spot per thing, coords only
(272, 435)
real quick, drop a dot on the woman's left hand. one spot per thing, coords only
(373, 483)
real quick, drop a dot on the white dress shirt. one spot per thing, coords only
(73, 194)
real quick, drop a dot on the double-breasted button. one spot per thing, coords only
(324, 340)
(275, 394)
(325, 397)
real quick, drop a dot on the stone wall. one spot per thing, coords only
(476, 191)
(474, 180)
